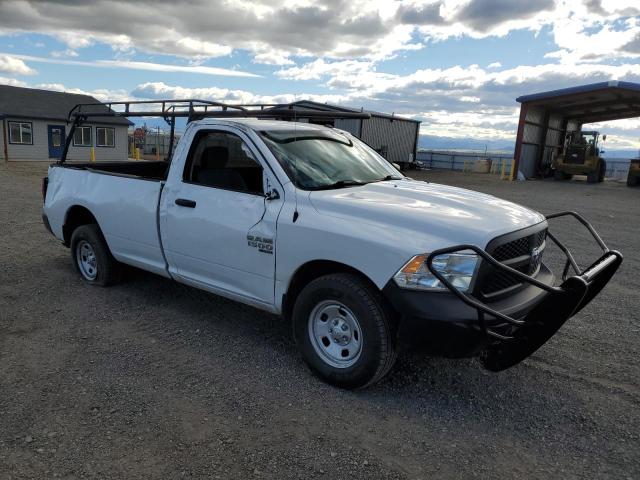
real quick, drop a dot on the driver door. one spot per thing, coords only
(219, 229)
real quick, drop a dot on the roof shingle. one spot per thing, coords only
(46, 104)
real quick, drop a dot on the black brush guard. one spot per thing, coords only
(561, 302)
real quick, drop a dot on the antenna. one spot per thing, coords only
(295, 167)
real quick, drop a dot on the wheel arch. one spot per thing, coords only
(76, 216)
(311, 270)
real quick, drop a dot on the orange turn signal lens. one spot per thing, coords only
(414, 265)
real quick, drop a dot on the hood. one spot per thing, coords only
(452, 215)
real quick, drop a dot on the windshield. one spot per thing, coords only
(323, 159)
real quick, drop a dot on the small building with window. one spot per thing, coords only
(33, 127)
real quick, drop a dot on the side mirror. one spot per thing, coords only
(604, 137)
(272, 194)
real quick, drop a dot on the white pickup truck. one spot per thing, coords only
(309, 222)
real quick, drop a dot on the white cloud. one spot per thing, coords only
(494, 65)
(581, 36)
(14, 66)
(133, 65)
(272, 57)
(211, 29)
(100, 94)
(156, 90)
(320, 68)
(72, 39)
(64, 53)
(324, 28)
(12, 82)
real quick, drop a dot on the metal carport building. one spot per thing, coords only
(546, 118)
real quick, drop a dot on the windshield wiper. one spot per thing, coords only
(340, 184)
(388, 177)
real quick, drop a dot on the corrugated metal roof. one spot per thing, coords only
(592, 87)
(595, 102)
(46, 104)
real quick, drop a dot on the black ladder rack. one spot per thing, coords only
(192, 109)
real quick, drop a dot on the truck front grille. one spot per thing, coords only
(523, 254)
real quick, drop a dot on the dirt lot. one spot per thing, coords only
(151, 379)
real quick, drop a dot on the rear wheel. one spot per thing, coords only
(632, 180)
(91, 256)
(344, 332)
(603, 171)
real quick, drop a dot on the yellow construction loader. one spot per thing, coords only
(581, 156)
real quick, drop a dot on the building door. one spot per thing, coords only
(56, 137)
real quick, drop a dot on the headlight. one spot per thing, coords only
(457, 268)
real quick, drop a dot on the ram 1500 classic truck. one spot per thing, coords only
(309, 222)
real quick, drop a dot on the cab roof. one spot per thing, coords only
(259, 125)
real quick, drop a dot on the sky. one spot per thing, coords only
(456, 65)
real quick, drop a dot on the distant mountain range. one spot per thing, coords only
(430, 142)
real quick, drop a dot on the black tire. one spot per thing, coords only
(603, 171)
(107, 268)
(632, 181)
(377, 324)
(593, 177)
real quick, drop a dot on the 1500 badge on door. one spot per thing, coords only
(263, 244)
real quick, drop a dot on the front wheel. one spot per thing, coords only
(91, 256)
(344, 331)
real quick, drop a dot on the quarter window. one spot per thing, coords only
(105, 137)
(82, 137)
(21, 133)
(223, 160)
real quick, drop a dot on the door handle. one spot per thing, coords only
(183, 202)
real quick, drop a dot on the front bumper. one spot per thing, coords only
(576, 168)
(439, 323)
(506, 332)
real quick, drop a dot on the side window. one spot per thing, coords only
(82, 137)
(222, 160)
(21, 133)
(105, 137)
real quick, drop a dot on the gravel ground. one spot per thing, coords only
(151, 379)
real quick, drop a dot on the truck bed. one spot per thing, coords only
(140, 169)
(123, 198)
